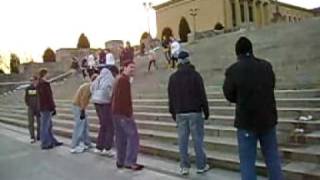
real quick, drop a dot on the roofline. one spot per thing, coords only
(165, 4)
(169, 2)
(293, 6)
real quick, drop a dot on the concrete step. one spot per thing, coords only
(302, 93)
(216, 159)
(228, 111)
(281, 102)
(285, 128)
(217, 142)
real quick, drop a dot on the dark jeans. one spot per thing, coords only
(106, 131)
(31, 114)
(247, 141)
(46, 135)
(127, 140)
(173, 62)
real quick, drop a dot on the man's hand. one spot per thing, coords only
(206, 116)
(82, 115)
(53, 113)
(173, 117)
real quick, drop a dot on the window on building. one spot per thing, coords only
(242, 13)
(234, 20)
(251, 19)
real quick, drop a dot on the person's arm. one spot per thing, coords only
(171, 98)
(49, 93)
(203, 97)
(26, 97)
(229, 89)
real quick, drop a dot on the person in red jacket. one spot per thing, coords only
(127, 138)
(47, 110)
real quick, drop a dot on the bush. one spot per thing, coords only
(49, 55)
(14, 64)
(83, 42)
(218, 26)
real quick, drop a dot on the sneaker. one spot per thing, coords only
(135, 167)
(108, 153)
(58, 144)
(85, 147)
(184, 171)
(32, 141)
(76, 150)
(97, 151)
(205, 169)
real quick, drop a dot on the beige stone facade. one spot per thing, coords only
(230, 13)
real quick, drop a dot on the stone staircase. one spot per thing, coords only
(300, 151)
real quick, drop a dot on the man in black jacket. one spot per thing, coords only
(250, 83)
(187, 101)
(32, 102)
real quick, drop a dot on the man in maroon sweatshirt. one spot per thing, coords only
(127, 138)
(47, 110)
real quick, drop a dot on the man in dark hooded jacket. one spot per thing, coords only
(187, 102)
(250, 83)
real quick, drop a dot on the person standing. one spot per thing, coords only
(32, 102)
(152, 57)
(187, 102)
(127, 138)
(47, 110)
(175, 49)
(250, 83)
(101, 91)
(81, 129)
(111, 63)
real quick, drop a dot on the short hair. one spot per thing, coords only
(43, 72)
(243, 46)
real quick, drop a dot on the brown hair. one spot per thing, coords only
(43, 72)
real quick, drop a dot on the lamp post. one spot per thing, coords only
(147, 6)
(194, 13)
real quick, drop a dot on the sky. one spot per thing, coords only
(28, 27)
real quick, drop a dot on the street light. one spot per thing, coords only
(194, 13)
(147, 6)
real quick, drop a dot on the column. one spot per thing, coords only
(238, 13)
(246, 12)
(262, 14)
(257, 9)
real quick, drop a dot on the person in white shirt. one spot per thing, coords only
(175, 50)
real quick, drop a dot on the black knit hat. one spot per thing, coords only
(243, 46)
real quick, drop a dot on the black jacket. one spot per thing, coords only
(186, 91)
(250, 84)
(31, 98)
(45, 96)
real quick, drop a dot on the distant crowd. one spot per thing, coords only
(249, 83)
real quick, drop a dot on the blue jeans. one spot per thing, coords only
(247, 141)
(127, 140)
(106, 130)
(46, 135)
(81, 129)
(194, 123)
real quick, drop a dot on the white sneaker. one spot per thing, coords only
(205, 169)
(85, 147)
(97, 151)
(76, 150)
(108, 153)
(184, 171)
